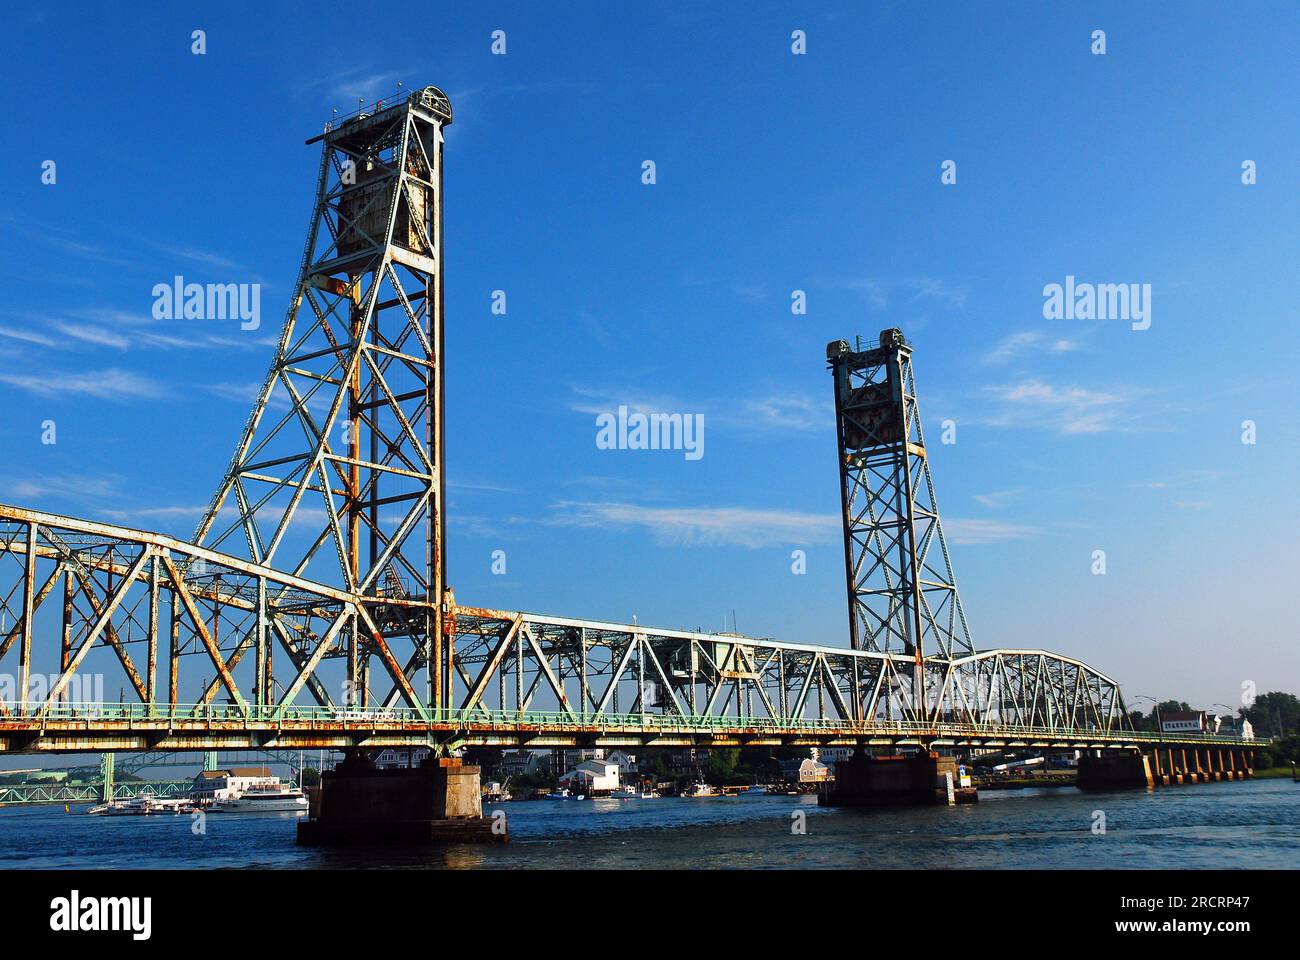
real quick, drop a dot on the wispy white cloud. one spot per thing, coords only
(1066, 409)
(120, 331)
(114, 317)
(773, 411)
(347, 86)
(1028, 341)
(702, 526)
(997, 498)
(747, 526)
(96, 335)
(938, 291)
(471, 486)
(789, 412)
(238, 392)
(63, 486)
(593, 401)
(875, 291)
(246, 394)
(206, 257)
(111, 384)
(27, 336)
(976, 532)
(188, 512)
(881, 292)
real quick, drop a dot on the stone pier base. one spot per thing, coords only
(1114, 771)
(438, 802)
(863, 781)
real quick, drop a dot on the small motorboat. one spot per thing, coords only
(564, 793)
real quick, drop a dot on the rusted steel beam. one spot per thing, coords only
(179, 590)
(309, 666)
(87, 586)
(390, 663)
(178, 547)
(101, 621)
(37, 599)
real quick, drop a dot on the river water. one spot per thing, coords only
(1251, 825)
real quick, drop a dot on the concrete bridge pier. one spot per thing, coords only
(1167, 766)
(1102, 771)
(437, 802)
(864, 781)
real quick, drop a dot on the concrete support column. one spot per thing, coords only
(1113, 771)
(437, 802)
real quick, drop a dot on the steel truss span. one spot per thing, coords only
(154, 616)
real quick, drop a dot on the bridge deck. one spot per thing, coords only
(89, 727)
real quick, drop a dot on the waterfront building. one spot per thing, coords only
(1230, 726)
(592, 777)
(1185, 721)
(229, 784)
(397, 758)
(804, 771)
(520, 763)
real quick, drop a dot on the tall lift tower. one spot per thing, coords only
(344, 447)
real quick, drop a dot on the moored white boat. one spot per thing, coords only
(145, 804)
(266, 799)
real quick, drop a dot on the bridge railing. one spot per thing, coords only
(407, 718)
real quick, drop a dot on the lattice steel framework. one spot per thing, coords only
(902, 594)
(156, 613)
(344, 445)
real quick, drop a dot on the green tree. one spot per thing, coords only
(1274, 714)
(722, 764)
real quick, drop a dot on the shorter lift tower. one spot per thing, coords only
(901, 592)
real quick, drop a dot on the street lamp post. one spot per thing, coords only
(1160, 727)
(1229, 709)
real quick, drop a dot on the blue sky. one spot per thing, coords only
(775, 173)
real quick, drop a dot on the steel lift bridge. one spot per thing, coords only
(311, 608)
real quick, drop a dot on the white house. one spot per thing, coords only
(1230, 726)
(1184, 721)
(626, 762)
(804, 771)
(592, 776)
